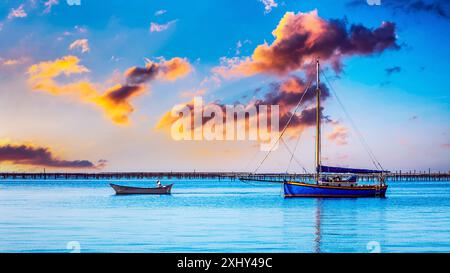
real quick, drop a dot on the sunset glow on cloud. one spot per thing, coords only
(301, 38)
(32, 155)
(115, 101)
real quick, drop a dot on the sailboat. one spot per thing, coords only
(329, 181)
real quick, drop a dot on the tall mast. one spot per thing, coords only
(318, 119)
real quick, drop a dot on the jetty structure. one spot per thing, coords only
(398, 176)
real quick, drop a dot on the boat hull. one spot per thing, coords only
(122, 190)
(298, 189)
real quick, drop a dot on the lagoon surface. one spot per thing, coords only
(219, 216)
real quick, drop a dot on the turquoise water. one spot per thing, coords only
(219, 216)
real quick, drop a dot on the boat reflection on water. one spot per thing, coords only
(318, 231)
(339, 226)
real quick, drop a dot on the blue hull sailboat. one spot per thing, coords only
(328, 180)
(299, 189)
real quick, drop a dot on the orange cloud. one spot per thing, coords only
(339, 135)
(247, 124)
(164, 70)
(166, 121)
(115, 101)
(175, 68)
(286, 95)
(302, 37)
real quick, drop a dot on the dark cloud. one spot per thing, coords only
(288, 93)
(117, 100)
(440, 7)
(123, 93)
(39, 156)
(437, 7)
(303, 37)
(305, 118)
(392, 70)
(140, 75)
(137, 76)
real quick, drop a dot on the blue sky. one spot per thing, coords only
(404, 115)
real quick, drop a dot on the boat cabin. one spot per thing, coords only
(337, 180)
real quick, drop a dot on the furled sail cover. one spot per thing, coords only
(328, 169)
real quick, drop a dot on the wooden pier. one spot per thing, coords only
(263, 177)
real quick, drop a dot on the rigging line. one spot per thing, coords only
(293, 157)
(293, 154)
(360, 136)
(289, 151)
(252, 159)
(285, 127)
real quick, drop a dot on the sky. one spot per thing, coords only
(90, 85)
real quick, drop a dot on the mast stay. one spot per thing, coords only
(361, 139)
(285, 127)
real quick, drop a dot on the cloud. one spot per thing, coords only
(339, 135)
(437, 7)
(12, 62)
(446, 146)
(49, 4)
(24, 154)
(17, 13)
(115, 101)
(192, 94)
(239, 46)
(155, 27)
(268, 5)
(441, 8)
(41, 75)
(167, 70)
(83, 44)
(303, 37)
(299, 39)
(285, 94)
(160, 12)
(392, 70)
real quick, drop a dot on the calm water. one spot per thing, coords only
(219, 216)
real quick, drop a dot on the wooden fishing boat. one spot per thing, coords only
(135, 190)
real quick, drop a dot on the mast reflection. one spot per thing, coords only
(318, 232)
